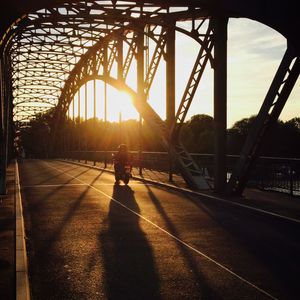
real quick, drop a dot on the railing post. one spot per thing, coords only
(291, 180)
(140, 155)
(170, 169)
(85, 119)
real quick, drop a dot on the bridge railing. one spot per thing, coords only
(269, 173)
(277, 174)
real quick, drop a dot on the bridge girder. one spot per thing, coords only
(45, 52)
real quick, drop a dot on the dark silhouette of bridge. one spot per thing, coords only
(51, 48)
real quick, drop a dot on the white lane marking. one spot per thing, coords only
(181, 190)
(52, 185)
(72, 184)
(173, 236)
(250, 207)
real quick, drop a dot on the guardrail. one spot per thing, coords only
(269, 173)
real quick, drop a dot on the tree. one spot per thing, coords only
(198, 134)
(282, 140)
(35, 137)
(237, 134)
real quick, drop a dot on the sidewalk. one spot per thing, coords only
(13, 259)
(7, 238)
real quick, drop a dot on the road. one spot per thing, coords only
(90, 239)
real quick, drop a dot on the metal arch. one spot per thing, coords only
(58, 76)
(92, 51)
(46, 38)
(55, 49)
(90, 55)
(60, 46)
(83, 73)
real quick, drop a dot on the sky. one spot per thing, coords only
(254, 53)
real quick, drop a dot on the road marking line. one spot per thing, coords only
(72, 184)
(52, 185)
(173, 236)
(250, 207)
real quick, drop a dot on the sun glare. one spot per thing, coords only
(120, 106)
(89, 102)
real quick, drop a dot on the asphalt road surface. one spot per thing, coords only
(88, 238)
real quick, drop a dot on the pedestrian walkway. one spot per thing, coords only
(7, 238)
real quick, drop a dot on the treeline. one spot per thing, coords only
(283, 140)
(197, 135)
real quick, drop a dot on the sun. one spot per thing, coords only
(120, 106)
(89, 102)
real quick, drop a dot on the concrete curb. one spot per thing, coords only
(22, 282)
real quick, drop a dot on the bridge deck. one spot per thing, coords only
(90, 239)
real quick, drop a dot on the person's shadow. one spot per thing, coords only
(129, 266)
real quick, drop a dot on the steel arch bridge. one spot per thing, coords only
(48, 53)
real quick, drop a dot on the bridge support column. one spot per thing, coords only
(220, 102)
(79, 120)
(170, 89)
(6, 136)
(10, 128)
(140, 88)
(2, 133)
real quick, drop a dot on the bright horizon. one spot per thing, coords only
(254, 53)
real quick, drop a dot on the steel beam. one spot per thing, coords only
(120, 57)
(170, 88)
(2, 132)
(170, 76)
(6, 121)
(79, 112)
(193, 83)
(278, 93)
(9, 126)
(140, 85)
(220, 102)
(155, 60)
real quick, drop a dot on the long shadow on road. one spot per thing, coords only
(130, 271)
(46, 260)
(271, 241)
(203, 288)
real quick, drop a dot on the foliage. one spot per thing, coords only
(100, 135)
(283, 140)
(35, 138)
(197, 135)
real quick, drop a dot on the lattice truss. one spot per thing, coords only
(46, 48)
